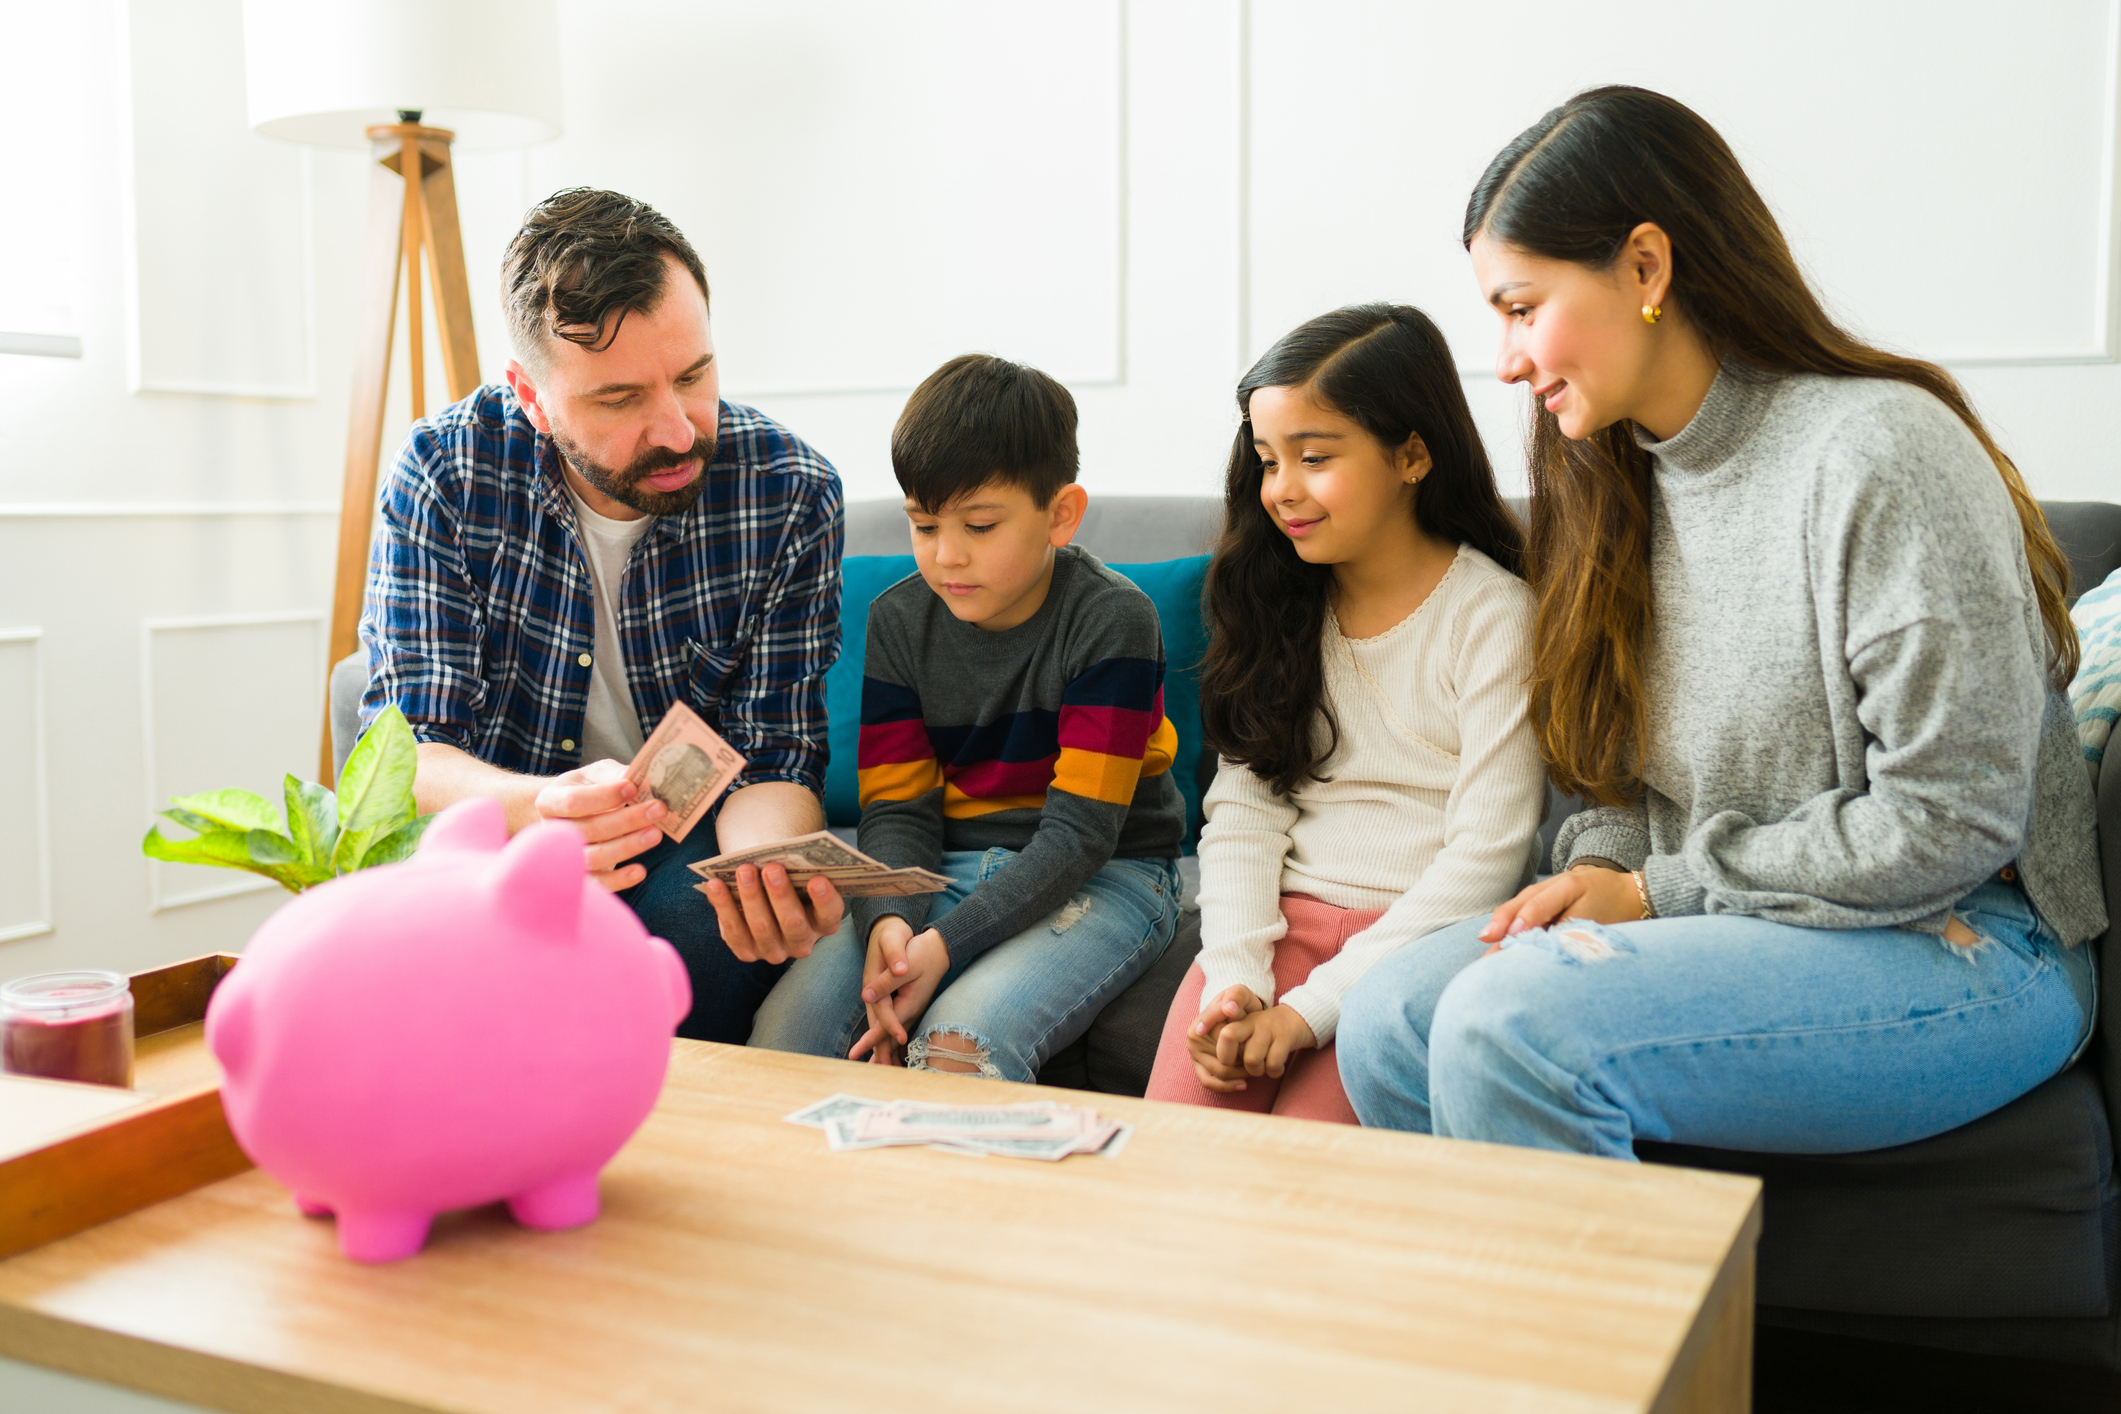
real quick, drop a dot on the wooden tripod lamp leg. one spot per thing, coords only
(412, 207)
(445, 255)
(364, 436)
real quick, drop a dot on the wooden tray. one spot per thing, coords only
(173, 1140)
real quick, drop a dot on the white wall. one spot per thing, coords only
(1139, 195)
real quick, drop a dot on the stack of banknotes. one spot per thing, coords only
(1037, 1129)
(823, 854)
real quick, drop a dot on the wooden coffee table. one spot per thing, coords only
(1223, 1260)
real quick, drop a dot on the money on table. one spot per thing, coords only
(827, 856)
(1038, 1129)
(686, 765)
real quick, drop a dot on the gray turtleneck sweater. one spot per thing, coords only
(1850, 718)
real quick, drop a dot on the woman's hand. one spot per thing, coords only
(1586, 891)
(1262, 1042)
(1233, 1003)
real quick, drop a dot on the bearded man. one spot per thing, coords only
(562, 558)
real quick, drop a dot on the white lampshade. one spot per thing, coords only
(323, 71)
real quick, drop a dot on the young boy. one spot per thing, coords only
(1013, 737)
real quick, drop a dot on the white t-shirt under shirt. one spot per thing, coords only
(610, 726)
(1433, 807)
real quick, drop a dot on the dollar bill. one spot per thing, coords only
(836, 1107)
(686, 765)
(1044, 1130)
(824, 855)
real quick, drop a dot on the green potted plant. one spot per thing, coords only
(371, 819)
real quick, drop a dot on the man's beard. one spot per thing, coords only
(625, 486)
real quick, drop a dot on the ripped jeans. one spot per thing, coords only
(1017, 1003)
(1719, 1030)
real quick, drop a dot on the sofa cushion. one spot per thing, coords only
(2010, 1216)
(862, 578)
(1115, 1055)
(1173, 586)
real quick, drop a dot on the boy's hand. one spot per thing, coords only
(1232, 1004)
(899, 978)
(1262, 1042)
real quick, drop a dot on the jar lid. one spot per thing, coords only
(57, 994)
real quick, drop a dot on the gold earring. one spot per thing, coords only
(1651, 313)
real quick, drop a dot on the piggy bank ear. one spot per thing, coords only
(537, 882)
(474, 826)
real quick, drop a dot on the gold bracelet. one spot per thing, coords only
(1642, 891)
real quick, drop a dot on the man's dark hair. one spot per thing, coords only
(981, 419)
(583, 261)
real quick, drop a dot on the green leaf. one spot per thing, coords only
(271, 847)
(312, 821)
(197, 824)
(234, 809)
(375, 789)
(226, 849)
(398, 844)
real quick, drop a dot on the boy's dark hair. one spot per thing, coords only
(583, 261)
(981, 419)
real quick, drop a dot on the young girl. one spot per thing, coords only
(1365, 686)
(1801, 634)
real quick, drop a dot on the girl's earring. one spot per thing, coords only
(1651, 313)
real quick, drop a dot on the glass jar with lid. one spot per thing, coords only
(68, 1026)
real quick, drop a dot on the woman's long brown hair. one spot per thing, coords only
(1573, 187)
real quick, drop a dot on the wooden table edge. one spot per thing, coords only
(1713, 1367)
(179, 1372)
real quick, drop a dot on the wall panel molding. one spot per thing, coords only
(41, 923)
(193, 177)
(870, 359)
(2102, 344)
(41, 345)
(202, 510)
(161, 896)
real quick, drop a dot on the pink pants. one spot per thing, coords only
(1310, 1087)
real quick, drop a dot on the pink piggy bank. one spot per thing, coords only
(481, 1022)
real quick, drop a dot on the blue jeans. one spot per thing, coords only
(725, 992)
(1724, 1031)
(1018, 1002)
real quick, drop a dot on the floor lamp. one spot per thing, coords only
(340, 73)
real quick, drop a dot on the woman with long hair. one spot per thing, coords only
(1365, 688)
(1800, 635)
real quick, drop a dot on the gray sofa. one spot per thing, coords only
(1996, 1238)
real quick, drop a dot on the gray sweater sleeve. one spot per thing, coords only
(1618, 833)
(1918, 586)
(905, 834)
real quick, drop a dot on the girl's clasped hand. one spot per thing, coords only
(1237, 1035)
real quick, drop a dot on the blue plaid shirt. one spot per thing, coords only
(479, 620)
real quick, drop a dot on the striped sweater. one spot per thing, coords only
(1048, 739)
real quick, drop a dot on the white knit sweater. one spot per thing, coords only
(1433, 807)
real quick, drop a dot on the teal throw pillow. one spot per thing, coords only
(1173, 586)
(862, 578)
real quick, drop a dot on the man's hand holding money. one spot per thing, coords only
(899, 979)
(767, 919)
(615, 817)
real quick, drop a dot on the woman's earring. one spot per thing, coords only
(1651, 313)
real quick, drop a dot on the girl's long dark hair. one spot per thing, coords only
(1262, 683)
(1573, 186)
